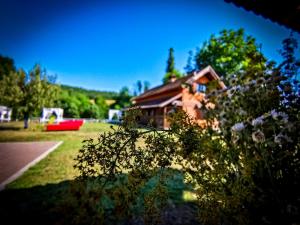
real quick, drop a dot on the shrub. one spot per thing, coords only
(244, 171)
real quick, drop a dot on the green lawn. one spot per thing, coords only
(41, 194)
(58, 165)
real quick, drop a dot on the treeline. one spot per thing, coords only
(82, 103)
(90, 93)
(76, 103)
(28, 92)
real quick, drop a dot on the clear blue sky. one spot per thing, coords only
(104, 46)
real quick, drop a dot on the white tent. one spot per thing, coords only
(114, 113)
(5, 113)
(48, 112)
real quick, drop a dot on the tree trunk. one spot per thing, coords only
(26, 119)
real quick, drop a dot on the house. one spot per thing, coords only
(186, 93)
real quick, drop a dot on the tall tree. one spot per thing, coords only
(140, 87)
(171, 61)
(123, 99)
(103, 107)
(229, 53)
(189, 65)
(28, 92)
(290, 65)
(146, 85)
(7, 65)
(170, 70)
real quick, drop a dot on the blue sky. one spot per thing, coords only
(104, 45)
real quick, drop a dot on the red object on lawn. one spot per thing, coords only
(65, 125)
(79, 122)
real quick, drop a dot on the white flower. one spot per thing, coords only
(238, 88)
(245, 88)
(238, 127)
(258, 121)
(279, 116)
(242, 112)
(274, 114)
(230, 92)
(223, 121)
(252, 83)
(280, 138)
(283, 116)
(258, 136)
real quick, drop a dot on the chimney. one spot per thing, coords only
(172, 78)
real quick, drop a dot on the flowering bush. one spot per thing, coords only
(244, 171)
(253, 156)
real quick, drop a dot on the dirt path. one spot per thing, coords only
(17, 157)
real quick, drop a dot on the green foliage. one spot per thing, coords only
(168, 76)
(28, 93)
(146, 85)
(7, 65)
(141, 87)
(102, 106)
(78, 104)
(290, 65)
(230, 53)
(92, 94)
(171, 61)
(170, 70)
(189, 65)
(244, 165)
(123, 99)
(115, 117)
(11, 93)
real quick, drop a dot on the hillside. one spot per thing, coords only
(90, 93)
(79, 102)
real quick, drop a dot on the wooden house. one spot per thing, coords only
(186, 93)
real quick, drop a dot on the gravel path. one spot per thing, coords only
(17, 157)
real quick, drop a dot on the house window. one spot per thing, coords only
(201, 88)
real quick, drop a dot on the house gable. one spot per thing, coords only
(183, 93)
(172, 89)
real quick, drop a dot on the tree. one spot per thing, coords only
(189, 66)
(244, 172)
(138, 86)
(170, 70)
(290, 65)
(171, 61)
(123, 99)
(7, 65)
(11, 90)
(103, 107)
(146, 85)
(28, 92)
(230, 53)
(141, 87)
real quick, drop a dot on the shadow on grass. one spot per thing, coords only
(34, 205)
(60, 204)
(10, 128)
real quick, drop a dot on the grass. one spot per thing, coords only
(58, 165)
(37, 196)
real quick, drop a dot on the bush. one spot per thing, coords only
(245, 170)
